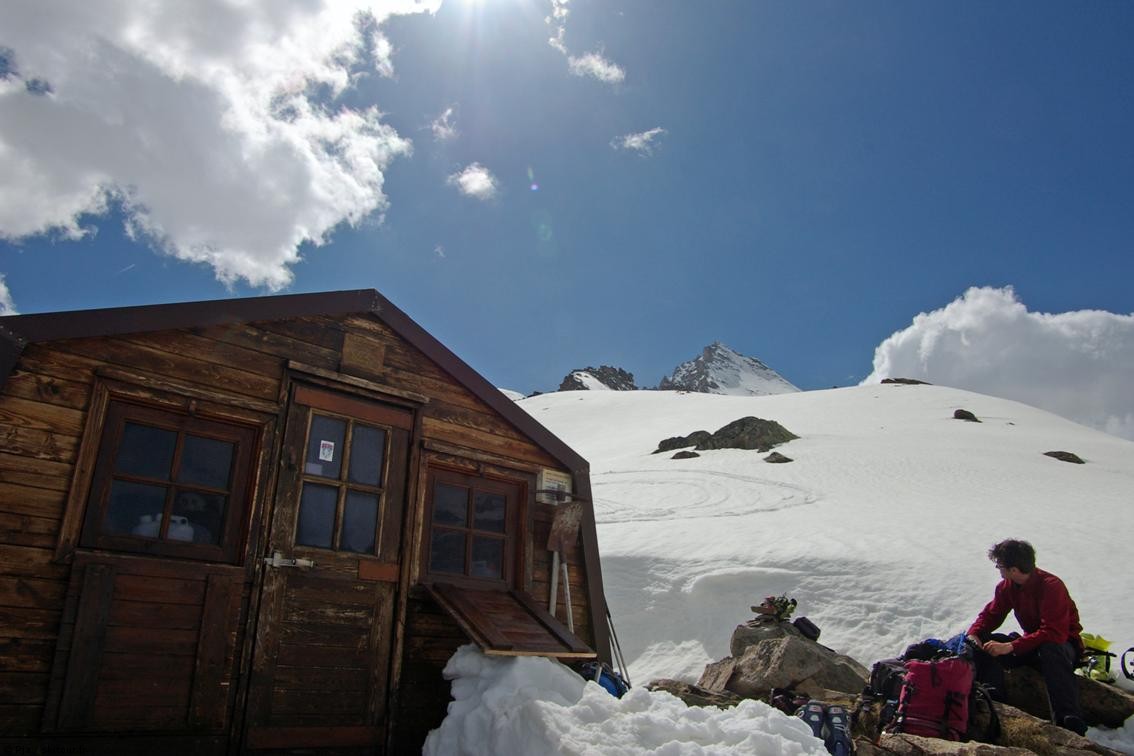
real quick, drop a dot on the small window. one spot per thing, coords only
(342, 484)
(169, 483)
(470, 528)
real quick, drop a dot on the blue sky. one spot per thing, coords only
(815, 176)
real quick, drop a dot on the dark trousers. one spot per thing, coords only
(1055, 661)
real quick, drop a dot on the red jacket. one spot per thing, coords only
(1043, 608)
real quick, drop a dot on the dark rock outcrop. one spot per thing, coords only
(907, 381)
(776, 458)
(1065, 456)
(682, 442)
(615, 379)
(685, 454)
(745, 433)
(964, 414)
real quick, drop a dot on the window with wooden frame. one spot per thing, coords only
(170, 483)
(472, 528)
(343, 478)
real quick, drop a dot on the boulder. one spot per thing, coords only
(1065, 456)
(685, 454)
(1102, 704)
(748, 433)
(787, 662)
(745, 433)
(681, 442)
(758, 629)
(777, 458)
(1037, 735)
(964, 414)
(915, 745)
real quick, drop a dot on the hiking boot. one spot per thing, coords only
(1074, 724)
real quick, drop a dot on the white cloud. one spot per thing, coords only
(443, 127)
(642, 142)
(475, 181)
(1076, 364)
(201, 119)
(558, 23)
(590, 64)
(594, 64)
(7, 306)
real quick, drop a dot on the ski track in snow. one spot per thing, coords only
(652, 495)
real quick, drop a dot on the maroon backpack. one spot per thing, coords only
(934, 699)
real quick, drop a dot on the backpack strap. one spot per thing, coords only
(992, 731)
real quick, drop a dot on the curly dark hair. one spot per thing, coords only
(1013, 553)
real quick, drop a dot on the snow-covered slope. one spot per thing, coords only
(720, 370)
(879, 527)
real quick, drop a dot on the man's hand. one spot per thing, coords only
(996, 648)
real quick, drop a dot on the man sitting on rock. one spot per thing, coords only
(1050, 621)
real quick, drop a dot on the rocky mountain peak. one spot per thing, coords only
(722, 370)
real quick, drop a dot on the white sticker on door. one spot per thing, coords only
(327, 451)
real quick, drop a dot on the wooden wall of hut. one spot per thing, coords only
(198, 616)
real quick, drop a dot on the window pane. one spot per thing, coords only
(360, 519)
(490, 510)
(367, 450)
(450, 505)
(325, 447)
(447, 551)
(317, 516)
(134, 508)
(487, 557)
(146, 451)
(204, 516)
(205, 462)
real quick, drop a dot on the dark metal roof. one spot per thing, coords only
(16, 331)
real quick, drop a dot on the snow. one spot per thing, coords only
(531, 705)
(879, 528)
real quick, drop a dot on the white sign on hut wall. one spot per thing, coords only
(553, 486)
(326, 451)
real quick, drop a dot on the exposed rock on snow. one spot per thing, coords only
(1066, 456)
(745, 433)
(907, 381)
(602, 378)
(685, 454)
(720, 370)
(777, 458)
(964, 414)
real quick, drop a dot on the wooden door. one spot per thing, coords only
(324, 632)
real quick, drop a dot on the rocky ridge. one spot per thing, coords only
(602, 378)
(717, 370)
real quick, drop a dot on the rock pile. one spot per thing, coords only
(767, 653)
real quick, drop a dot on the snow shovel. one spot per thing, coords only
(564, 532)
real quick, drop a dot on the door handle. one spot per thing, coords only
(277, 559)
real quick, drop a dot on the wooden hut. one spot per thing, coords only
(264, 525)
